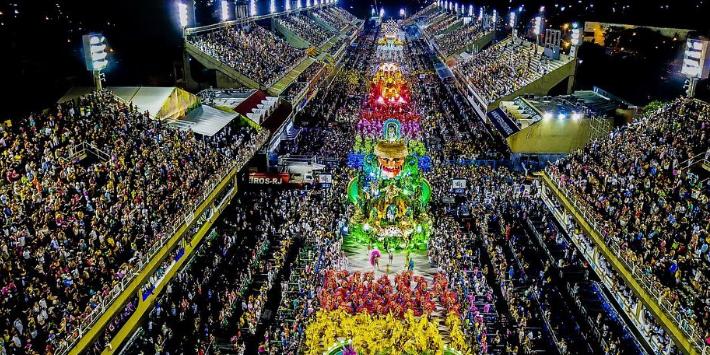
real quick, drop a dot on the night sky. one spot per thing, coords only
(41, 40)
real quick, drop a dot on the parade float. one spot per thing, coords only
(363, 315)
(389, 192)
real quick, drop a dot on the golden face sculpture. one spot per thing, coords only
(390, 157)
(390, 167)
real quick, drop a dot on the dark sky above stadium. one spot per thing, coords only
(41, 39)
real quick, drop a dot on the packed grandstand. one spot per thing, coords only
(417, 233)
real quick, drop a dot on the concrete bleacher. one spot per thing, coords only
(543, 73)
(281, 85)
(303, 26)
(632, 276)
(441, 25)
(472, 37)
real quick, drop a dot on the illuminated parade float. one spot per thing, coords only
(389, 192)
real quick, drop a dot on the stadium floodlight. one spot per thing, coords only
(95, 56)
(182, 13)
(252, 8)
(456, 7)
(287, 5)
(495, 17)
(308, 3)
(547, 115)
(372, 12)
(576, 116)
(470, 10)
(511, 21)
(537, 29)
(401, 12)
(382, 12)
(576, 36)
(272, 6)
(561, 116)
(298, 4)
(480, 14)
(696, 59)
(224, 7)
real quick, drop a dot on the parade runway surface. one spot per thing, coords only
(359, 260)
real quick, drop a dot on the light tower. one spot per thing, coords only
(538, 26)
(241, 9)
(95, 56)
(575, 39)
(224, 10)
(696, 63)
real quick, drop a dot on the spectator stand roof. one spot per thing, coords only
(179, 107)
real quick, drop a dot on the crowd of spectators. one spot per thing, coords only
(612, 333)
(251, 50)
(206, 305)
(440, 24)
(333, 18)
(90, 185)
(504, 68)
(650, 329)
(309, 77)
(73, 224)
(639, 190)
(306, 28)
(460, 37)
(448, 121)
(342, 13)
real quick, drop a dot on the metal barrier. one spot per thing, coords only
(648, 283)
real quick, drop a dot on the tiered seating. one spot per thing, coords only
(427, 11)
(460, 37)
(435, 18)
(251, 50)
(302, 82)
(306, 28)
(504, 68)
(77, 224)
(441, 24)
(332, 18)
(342, 13)
(639, 190)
